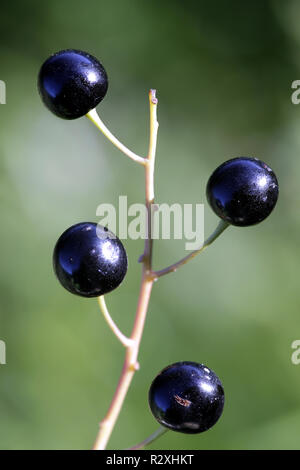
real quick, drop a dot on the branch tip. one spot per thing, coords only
(153, 98)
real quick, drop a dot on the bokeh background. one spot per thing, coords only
(223, 71)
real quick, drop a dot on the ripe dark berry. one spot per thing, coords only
(71, 83)
(187, 397)
(87, 261)
(243, 191)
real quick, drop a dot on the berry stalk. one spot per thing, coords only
(222, 225)
(159, 432)
(132, 349)
(116, 331)
(95, 119)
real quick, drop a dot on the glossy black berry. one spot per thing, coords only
(88, 261)
(187, 397)
(71, 83)
(243, 191)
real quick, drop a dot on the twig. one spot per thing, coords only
(131, 364)
(132, 344)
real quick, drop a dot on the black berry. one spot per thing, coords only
(71, 83)
(88, 261)
(243, 191)
(187, 397)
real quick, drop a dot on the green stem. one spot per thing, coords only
(173, 267)
(95, 119)
(159, 432)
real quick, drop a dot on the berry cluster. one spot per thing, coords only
(90, 261)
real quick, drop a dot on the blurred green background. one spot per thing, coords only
(223, 74)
